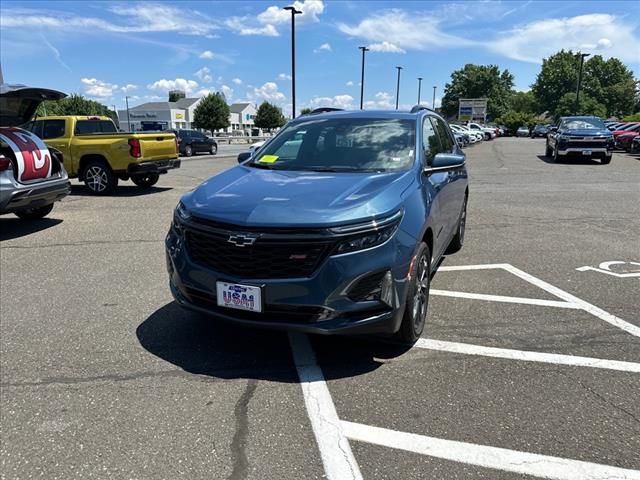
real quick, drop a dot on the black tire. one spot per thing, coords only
(606, 160)
(554, 156)
(99, 178)
(213, 149)
(147, 180)
(547, 151)
(416, 306)
(188, 151)
(458, 239)
(34, 213)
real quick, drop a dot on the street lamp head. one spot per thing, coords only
(420, 78)
(399, 68)
(364, 49)
(292, 9)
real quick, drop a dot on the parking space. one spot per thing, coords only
(529, 366)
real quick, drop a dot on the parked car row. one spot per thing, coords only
(624, 134)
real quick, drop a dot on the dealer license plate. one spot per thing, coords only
(587, 152)
(241, 297)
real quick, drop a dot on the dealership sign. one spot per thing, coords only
(470, 109)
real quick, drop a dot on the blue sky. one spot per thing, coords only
(106, 50)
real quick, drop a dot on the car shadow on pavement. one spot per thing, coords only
(11, 228)
(204, 345)
(120, 191)
(569, 161)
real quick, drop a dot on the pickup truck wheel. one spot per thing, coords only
(35, 213)
(99, 178)
(458, 239)
(415, 310)
(213, 149)
(188, 151)
(547, 151)
(554, 156)
(606, 160)
(147, 180)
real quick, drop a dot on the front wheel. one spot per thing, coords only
(416, 306)
(35, 213)
(548, 152)
(606, 160)
(147, 180)
(458, 239)
(213, 149)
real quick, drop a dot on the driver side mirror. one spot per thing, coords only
(443, 161)
(244, 156)
(553, 129)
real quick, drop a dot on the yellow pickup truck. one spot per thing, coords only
(95, 152)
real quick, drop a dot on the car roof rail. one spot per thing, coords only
(326, 109)
(418, 108)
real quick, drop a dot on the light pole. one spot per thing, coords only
(294, 12)
(364, 49)
(419, 87)
(582, 57)
(126, 99)
(398, 88)
(433, 101)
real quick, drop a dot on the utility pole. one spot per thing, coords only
(294, 12)
(433, 101)
(126, 99)
(582, 57)
(419, 87)
(364, 49)
(398, 88)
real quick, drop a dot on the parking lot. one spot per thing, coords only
(529, 366)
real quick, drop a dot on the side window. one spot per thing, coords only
(35, 128)
(53, 129)
(443, 134)
(430, 143)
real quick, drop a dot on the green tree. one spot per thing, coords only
(588, 106)
(175, 95)
(479, 81)
(514, 120)
(212, 113)
(558, 76)
(304, 111)
(635, 117)
(269, 116)
(74, 105)
(524, 102)
(612, 84)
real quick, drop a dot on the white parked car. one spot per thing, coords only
(522, 132)
(254, 146)
(489, 133)
(474, 135)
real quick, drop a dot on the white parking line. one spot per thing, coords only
(527, 356)
(501, 298)
(459, 268)
(490, 457)
(335, 451)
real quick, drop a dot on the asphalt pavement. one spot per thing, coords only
(529, 366)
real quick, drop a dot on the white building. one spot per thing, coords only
(175, 115)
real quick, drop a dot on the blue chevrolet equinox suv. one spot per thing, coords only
(334, 226)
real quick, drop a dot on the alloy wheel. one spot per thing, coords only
(421, 296)
(96, 178)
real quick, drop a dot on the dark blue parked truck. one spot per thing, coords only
(335, 225)
(585, 137)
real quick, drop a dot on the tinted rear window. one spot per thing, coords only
(53, 129)
(85, 127)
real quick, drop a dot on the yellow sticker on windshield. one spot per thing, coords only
(268, 159)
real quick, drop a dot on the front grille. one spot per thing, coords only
(586, 145)
(266, 258)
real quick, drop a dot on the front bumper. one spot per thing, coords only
(595, 151)
(318, 304)
(156, 166)
(15, 196)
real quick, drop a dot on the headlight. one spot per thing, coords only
(369, 235)
(182, 212)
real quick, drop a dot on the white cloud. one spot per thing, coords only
(237, 81)
(269, 91)
(128, 87)
(204, 75)
(98, 88)
(246, 26)
(311, 11)
(382, 100)
(325, 46)
(228, 92)
(338, 101)
(164, 85)
(349, 83)
(386, 47)
(403, 31)
(598, 33)
(284, 76)
(207, 55)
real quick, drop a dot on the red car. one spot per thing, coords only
(626, 128)
(624, 140)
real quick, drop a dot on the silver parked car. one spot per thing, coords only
(32, 177)
(522, 132)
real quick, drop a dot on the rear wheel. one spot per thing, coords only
(147, 180)
(188, 151)
(415, 310)
(213, 149)
(35, 213)
(99, 178)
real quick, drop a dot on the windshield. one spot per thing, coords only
(341, 144)
(581, 123)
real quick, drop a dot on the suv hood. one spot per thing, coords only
(255, 197)
(18, 103)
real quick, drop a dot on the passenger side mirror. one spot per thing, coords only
(244, 156)
(443, 161)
